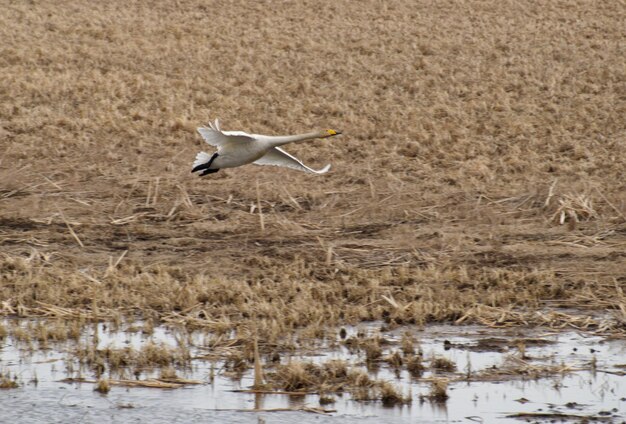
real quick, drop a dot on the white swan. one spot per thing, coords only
(236, 148)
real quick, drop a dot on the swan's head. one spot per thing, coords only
(330, 133)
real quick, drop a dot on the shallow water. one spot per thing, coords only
(581, 392)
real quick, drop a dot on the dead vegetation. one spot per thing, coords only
(8, 381)
(414, 366)
(335, 377)
(479, 180)
(562, 417)
(439, 363)
(517, 367)
(438, 391)
(121, 361)
(103, 386)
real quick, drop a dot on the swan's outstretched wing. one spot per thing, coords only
(214, 136)
(278, 157)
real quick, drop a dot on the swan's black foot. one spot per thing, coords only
(206, 166)
(209, 171)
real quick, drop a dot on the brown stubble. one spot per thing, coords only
(481, 166)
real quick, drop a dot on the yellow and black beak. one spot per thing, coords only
(330, 133)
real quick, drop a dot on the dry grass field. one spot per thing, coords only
(480, 177)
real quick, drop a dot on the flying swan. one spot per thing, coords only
(236, 148)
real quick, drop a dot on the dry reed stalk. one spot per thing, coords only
(155, 194)
(180, 380)
(373, 194)
(329, 255)
(197, 322)
(328, 250)
(57, 311)
(148, 194)
(82, 202)
(71, 230)
(55, 185)
(93, 280)
(117, 262)
(275, 392)
(311, 409)
(20, 190)
(129, 219)
(619, 212)
(6, 308)
(258, 202)
(559, 417)
(151, 383)
(291, 198)
(390, 300)
(574, 208)
(258, 367)
(184, 195)
(546, 203)
(505, 317)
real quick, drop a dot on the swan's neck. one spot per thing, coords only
(284, 139)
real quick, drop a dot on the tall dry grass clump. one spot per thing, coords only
(8, 381)
(335, 377)
(103, 386)
(438, 391)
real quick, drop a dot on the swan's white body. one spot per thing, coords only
(237, 148)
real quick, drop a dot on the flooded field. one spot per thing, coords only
(487, 375)
(462, 261)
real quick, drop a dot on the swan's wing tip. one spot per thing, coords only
(323, 170)
(214, 125)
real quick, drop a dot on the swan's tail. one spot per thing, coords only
(201, 159)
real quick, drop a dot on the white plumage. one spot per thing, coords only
(237, 148)
(201, 158)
